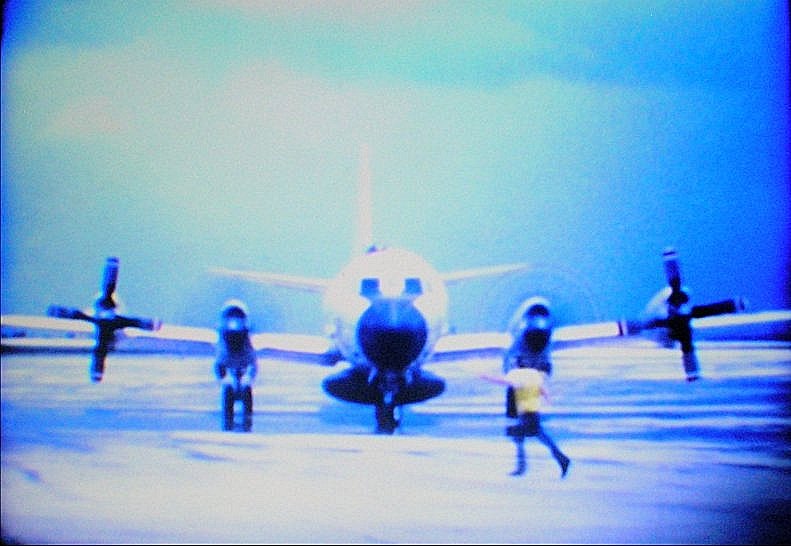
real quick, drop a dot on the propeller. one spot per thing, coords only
(109, 282)
(105, 319)
(672, 311)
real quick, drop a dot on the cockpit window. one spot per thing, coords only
(369, 288)
(413, 286)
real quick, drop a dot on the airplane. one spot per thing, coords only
(387, 316)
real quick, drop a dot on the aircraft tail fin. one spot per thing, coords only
(362, 243)
(364, 238)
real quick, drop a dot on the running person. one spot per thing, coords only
(528, 390)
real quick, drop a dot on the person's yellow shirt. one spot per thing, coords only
(527, 383)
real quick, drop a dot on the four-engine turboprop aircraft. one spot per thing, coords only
(387, 312)
(387, 316)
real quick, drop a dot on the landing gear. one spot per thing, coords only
(247, 409)
(229, 398)
(227, 407)
(386, 418)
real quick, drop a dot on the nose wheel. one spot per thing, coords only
(387, 418)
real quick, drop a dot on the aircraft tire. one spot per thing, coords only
(227, 407)
(247, 401)
(247, 404)
(386, 421)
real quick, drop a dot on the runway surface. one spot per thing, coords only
(141, 458)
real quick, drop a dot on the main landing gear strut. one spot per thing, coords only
(229, 397)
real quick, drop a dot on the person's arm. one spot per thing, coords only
(499, 379)
(545, 393)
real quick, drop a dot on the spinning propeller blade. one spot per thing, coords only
(677, 315)
(672, 268)
(109, 282)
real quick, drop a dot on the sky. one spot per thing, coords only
(582, 137)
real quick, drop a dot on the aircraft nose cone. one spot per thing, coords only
(392, 333)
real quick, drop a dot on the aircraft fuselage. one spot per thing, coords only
(386, 310)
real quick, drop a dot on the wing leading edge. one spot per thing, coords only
(31, 333)
(492, 344)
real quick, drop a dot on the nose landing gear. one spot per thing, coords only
(387, 418)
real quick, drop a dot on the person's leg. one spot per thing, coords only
(559, 456)
(521, 460)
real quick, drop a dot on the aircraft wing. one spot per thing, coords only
(310, 348)
(491, 344)
(11, 323)
(481, 345)
(774, 324)
(742, 319)
(319, 349)
(34, 333)
(31, 333)
(42, 344)
(169, 339)
(737, 325)
(195, 340)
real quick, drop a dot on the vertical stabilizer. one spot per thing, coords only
(364, 236)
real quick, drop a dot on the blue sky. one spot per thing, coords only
(582, 136)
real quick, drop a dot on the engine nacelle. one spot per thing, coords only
(234, 315)
(234, 326)
(531, 330)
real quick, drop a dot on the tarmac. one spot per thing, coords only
(141, 458)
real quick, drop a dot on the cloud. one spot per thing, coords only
(89, 116)
(350, 11)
